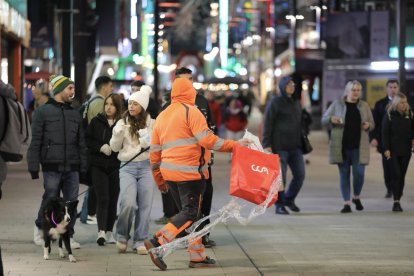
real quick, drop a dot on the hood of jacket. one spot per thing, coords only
(183, 91)
(6, 90)
(282, 85)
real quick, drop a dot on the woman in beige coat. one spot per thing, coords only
(350, 119)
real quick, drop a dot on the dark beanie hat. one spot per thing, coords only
(283, 82)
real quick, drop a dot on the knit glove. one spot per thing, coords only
(106, 149)
(144, 137)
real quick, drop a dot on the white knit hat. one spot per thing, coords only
(142, 96)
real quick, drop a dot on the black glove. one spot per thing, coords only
(35, 175)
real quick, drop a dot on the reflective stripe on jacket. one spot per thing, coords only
(181, 140)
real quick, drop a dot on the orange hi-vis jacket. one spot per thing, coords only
(181, 140)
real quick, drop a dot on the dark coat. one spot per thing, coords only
(283, 122)
(99, 133)
(58, 141)
(397, 133)
(378, 114)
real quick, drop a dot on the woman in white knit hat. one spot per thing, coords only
(130, 135)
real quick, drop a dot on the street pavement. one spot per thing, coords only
(317, 241)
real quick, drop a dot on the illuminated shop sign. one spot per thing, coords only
(13, 21)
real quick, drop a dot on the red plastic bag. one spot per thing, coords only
(252, 174)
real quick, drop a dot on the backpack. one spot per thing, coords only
(18, 134)
(83, 110)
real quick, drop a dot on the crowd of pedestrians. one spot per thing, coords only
(125, 150)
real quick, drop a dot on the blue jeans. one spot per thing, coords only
(293, 159)
(84, 211)
(53, 183)
(135, 200)
(351, 159)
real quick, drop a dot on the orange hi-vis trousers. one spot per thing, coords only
(188, 197)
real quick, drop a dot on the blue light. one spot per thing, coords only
(409, 52)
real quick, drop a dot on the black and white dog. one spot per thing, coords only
(56, 218)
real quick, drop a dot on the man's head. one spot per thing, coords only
(287, 86)
(393, 87)
(40, 89)
(184, 73)
(136, 86)
(63, 88)
(104, 85)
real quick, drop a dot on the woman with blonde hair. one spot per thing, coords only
(350, 120)
(131, 135)
(398, 141)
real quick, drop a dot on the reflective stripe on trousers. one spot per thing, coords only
(197, 251)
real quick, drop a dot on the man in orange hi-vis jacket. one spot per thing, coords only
(179, 155)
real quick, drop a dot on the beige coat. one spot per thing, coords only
(338, 108)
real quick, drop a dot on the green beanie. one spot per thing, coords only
(59, 83)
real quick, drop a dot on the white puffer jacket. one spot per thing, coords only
(127, 147)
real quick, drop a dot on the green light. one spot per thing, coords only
(409, 52)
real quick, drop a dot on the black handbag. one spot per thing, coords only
(306, 145)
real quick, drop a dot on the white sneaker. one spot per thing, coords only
(141, 250)
(91, 220)
(38, 236)
(110, 238)
(122, 247)
(74, 244)
(101, 238)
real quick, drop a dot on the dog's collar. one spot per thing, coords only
(53, 220)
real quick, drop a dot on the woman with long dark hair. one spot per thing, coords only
(130, 136)
(104, 166)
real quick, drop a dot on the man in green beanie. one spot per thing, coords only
(57, 145)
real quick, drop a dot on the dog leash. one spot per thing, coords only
(123, 165)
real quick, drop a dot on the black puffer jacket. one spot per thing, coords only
(99, 133)
(397, 133)
(58, 141)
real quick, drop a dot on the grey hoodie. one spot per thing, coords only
(6, 91)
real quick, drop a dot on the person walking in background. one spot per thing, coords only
(41, 95)
(180, 151)
(350, 119)
(380, 110)
(215, 109)
(104, 165)
(282, 135)
(397, 143)
(131, 135)
(57, 144)
(103, 86)
(235, 120)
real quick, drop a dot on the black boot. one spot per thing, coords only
(397, 207)
(156, 259)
